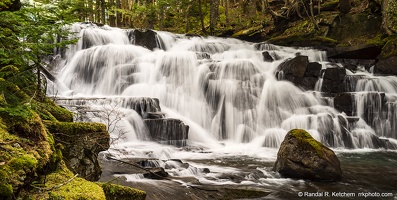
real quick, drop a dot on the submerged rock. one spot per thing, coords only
(301, 156)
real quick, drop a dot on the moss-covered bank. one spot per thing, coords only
(36, 138)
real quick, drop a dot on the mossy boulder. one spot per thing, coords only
(302, 157)
(118, 192)
(82, 141)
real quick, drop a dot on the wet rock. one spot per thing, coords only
(202, 55)
(295, 67)
(153, 115)
(267, 57)
(386, 66)
(333, 80)
(344, 103)
(168, 131)
(142, 105)
(144, 37)
(313, 69)
(301, 156)
(157, 173)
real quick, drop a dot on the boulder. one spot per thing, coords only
(387, 66)
(144, 37)
(333, 80)
(267, 57)
(302, 157)
(295, 67)
(344, 103)
(168, 131)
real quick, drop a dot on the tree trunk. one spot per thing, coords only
(118, 14)
(103, 11)
(90, 11)
(214, 14)
(112, 17)
(201, 17)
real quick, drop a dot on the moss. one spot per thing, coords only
(78, 188)
(24, 162)
(248, 32)
(118, 192)
(390, 47)
(75, 128)
(5, 191)
(48, 110)
(305, 138)
(11, 93)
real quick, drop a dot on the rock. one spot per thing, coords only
(145, 38)
(267, 57)
(168, 131)
(153, 115)
(142, 105)
(344, 103)
(157, 173)
(313, 70)
(82, 142)
(302, 157)
(366, 51)
(389, 18)
(387, 66)
(345, 6)
(333, 80)
(295, 67)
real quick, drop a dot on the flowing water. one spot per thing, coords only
(237, 110)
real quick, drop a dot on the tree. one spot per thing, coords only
(30, 34)
(214, 14)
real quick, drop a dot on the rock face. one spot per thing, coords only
(168, 131)
(300, 71)
(301, 156)
(82, 141)
(145, 38)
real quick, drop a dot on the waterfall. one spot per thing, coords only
(223, 89)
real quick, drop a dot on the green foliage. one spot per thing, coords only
(5, 191)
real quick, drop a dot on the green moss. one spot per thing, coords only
(304, 137)
(5, 191)
(248, 32)
(118, 192)
(48, 110)
(78, 188)
(24, 162)
(390, 47)
(75, 128)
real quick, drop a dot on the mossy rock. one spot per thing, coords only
(48, 110)
(301, 156)
(390, 47)
(118, 192)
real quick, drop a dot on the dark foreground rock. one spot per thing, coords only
(301, 156)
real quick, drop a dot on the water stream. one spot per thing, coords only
(237, 110)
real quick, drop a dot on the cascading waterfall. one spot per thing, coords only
(223, 88)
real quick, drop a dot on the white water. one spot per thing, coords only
(232, 102)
